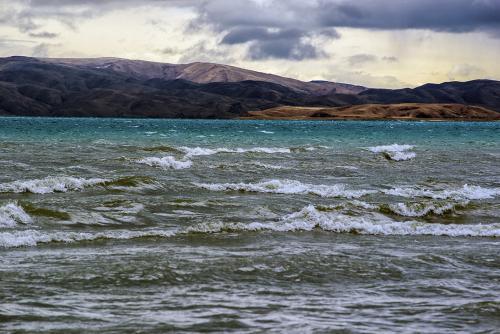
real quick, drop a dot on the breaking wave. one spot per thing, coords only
(465, 193)
(394, 152)
(288, 187)
(50, 185)
(12, 214)
(162, 148)
(166, 162)
(267, 166)
(421, 209)
(310, 218)
(199, 151)
(34, 237)
(307, 219)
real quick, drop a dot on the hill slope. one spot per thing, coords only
(204, 73)
(78, 87)
(381, 111)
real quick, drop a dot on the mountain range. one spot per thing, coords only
(114, 87)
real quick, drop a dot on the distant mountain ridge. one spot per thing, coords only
(119, 88)
(204, 73)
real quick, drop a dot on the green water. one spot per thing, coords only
(151, 226)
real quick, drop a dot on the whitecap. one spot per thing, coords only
(422, 209)
(35, 237)
(200, 151)
(12, 214)
(394, 152)
(50, 185)
(309, 218)
(267, 132)
(166, 162)
(288, 187)
(465, 193)
(267, 166)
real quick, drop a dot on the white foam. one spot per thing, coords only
(35, 237)
(378, 224)
(166, 162)
(422, 210)
(310, 218)
(465, 193)
(288, 187)
(12, 214)
(395, 152)
(267, 166)
(50, 185)
(199, 151)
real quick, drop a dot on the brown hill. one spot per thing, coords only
(204, 73)
(403, 111)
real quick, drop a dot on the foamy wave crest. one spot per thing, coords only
(198, 151)
(50, 185)
(267, 166)
(422, 209)
(394, 152)
(310, 218)
(288, 187)
(166, 162)
(11, 214)
(465, 193)
(35, 237)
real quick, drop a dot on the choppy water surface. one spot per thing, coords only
(113, 225)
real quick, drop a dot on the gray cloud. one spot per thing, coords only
(41, 50)
(390, 59)
(269, 25)
(283, 49)
(361, 59)
(465, 72)
(246, 34)
(443, 15)
(246, 20)
(43, 34)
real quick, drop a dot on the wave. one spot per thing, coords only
(130, 181)
(12, 214)
(394, 152)
(199, 151)
(421, 209)
(166, 162)
(465, 193)
(50, 185)
(310, 218)
(162, 148)
(35, 237)
(288, 187)
(267, 166)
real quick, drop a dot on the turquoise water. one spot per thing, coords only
(131, 225)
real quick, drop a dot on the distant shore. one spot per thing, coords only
(402, 111)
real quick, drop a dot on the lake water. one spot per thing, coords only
(150, 226)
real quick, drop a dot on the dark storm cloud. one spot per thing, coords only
(243, 35)
(442, 15)
(267, 26)
(283, 49)
(247, 21)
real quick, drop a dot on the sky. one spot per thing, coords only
(375, 43)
